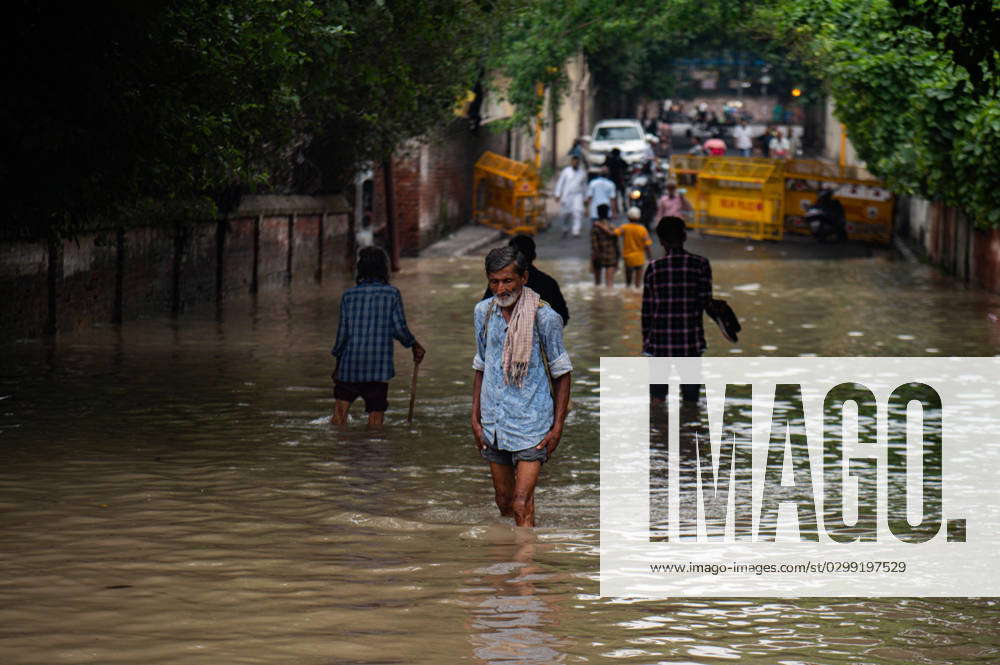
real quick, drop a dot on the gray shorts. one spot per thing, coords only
(511, 458)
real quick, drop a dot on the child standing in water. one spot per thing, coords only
(635, 247)
(603, 248)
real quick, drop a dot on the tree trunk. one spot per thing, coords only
(391, 229)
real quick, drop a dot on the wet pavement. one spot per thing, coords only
(553, 242)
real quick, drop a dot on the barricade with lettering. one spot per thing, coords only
(506, 195)
(740, 197)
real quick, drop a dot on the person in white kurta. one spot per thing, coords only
(570, 189)
(744, 138)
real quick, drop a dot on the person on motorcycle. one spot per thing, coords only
(617, 169)
(644, 192)
(826, 218)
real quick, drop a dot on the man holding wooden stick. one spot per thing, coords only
(371, 317)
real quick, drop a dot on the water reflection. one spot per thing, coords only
(172, 491)
(511, 624)
(700, 475)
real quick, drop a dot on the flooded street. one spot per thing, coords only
(173, 493)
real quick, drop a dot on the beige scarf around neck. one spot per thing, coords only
(517, 344)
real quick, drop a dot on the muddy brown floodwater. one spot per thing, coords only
(172, 492)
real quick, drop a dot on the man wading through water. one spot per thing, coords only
(371, 316)
(516, 420)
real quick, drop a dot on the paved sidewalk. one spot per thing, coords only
(463, 241)
(472, 238)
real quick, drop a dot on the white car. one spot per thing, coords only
(626, 135)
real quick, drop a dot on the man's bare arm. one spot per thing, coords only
(561, 400)
(477, 427)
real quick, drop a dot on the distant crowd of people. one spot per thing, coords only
(707, 131)
(603, 199)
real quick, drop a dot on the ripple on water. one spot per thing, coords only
(173, 494)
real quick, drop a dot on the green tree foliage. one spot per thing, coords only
(630, 47)
(615, 36)
(113, 104)
(110, 104)
(916, 84)
(397, 75)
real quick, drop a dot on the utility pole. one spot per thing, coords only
(391, 228)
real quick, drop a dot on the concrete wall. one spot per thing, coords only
(943, 236)
(575, 118)
(120, 275)
(834, 132)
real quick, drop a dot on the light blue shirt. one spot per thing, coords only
(517, 418)
(601, 190)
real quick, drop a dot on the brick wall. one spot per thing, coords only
(24, 276)
(433, 184)
(272, 257)
(195, 265)
(409, 192)
(338, 253)
(238, 268)
(986, 259)
(305, 247)
(121, 275)
(147, 272)
(88, 277)
(948, 240)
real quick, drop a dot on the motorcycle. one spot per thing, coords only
(643, 192)
(826, 220)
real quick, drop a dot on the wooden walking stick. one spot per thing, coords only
(413, 392)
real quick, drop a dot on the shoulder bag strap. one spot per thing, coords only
(541, 348)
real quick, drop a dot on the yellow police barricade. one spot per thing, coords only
(505, 195)
(740, 197)
(868, 205)
(684, 168)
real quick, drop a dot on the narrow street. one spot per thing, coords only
(175, 472)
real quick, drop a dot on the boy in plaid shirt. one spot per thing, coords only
(371, 316)
(676, 290)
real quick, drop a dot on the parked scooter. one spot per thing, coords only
(825, 218)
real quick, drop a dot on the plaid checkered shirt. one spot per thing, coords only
(371, 316)
(675, 292)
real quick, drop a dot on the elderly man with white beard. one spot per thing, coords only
(520, 393)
